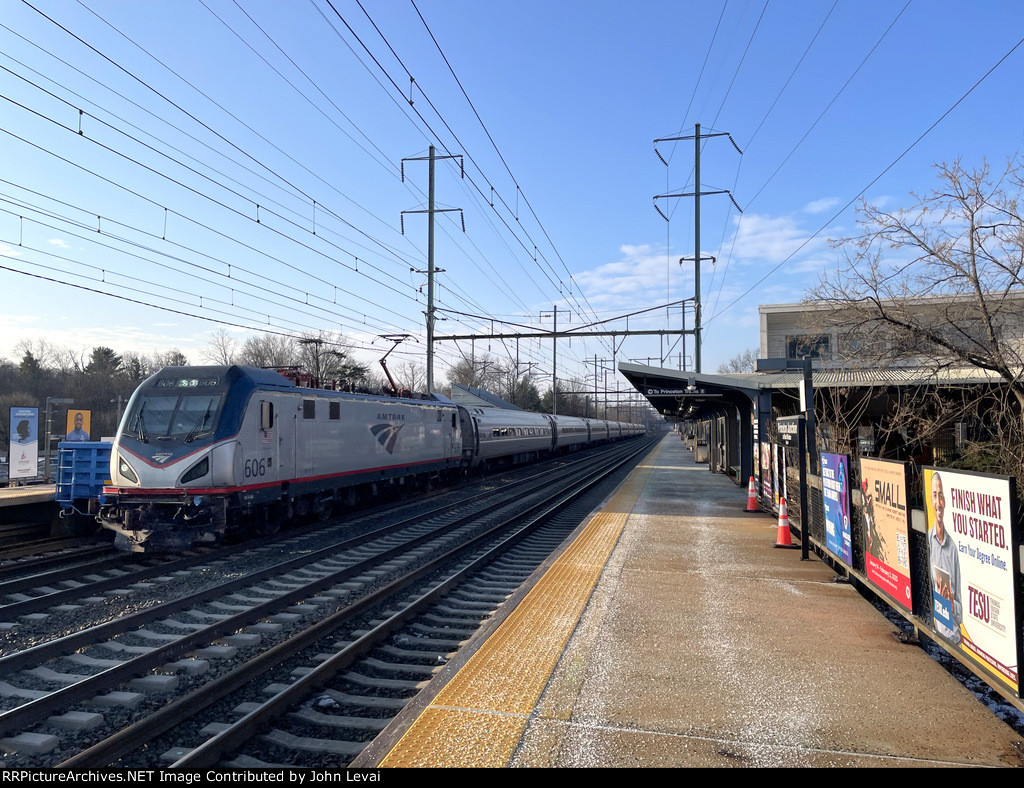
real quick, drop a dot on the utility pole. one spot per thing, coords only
(554, 364)
(430, 273)
(696, 194)
(431, 210)
(696, 244)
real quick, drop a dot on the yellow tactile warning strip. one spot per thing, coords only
(478, 719)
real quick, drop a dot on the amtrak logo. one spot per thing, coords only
(386, 435)
(162, 458)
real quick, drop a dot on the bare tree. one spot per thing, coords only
(843, 411)
(223, 348)
(269, 350)
(412, 376)
(169, 358)
(481, 372)
(39, 349)
(938, 286)
(572, 398)
(321, 354)
(67, 361)
(745, 361)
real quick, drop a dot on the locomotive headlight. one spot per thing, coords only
(126, 471)
(198, 501)
(197, 471)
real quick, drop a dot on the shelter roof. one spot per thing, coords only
(682, 394)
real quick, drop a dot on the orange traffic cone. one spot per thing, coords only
(783, 539)
(751, 497)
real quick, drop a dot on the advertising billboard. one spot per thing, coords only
(886, 526)
(23, 454)
(835, 488)
(766, 472)
(972, 565)
(79, 422)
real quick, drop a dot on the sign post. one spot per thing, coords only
(792, 435)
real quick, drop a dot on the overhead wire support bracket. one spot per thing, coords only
(693, 194)
(459, 156)
(401, 217)
(691, 137)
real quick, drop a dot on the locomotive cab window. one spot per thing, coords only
(309, 408)
(187, 417)
(266, 415)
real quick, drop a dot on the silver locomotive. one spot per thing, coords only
(204, 451)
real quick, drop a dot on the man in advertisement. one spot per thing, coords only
(947, 606)
(78, 433)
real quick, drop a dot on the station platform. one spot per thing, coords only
(26, 494)
(669, 632)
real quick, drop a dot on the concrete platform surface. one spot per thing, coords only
(28, 493)
(702, 645)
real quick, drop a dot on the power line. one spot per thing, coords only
(874, 180)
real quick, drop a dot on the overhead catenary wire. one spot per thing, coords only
(177, 182)
(367, 263)
(320, 212)
(836, 95)
(874, 180)
(444, 122)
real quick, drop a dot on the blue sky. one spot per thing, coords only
(264, 190)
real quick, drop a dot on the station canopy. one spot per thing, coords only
(679, 395)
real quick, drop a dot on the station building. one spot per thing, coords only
(729, 416)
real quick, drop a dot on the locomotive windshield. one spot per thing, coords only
(175, 409)
(185, 417)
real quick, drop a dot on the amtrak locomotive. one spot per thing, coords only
(204, 451)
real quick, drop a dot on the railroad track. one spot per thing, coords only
(28, 538)
(153, 672)
(87, 574)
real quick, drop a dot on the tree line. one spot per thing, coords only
(99, 380)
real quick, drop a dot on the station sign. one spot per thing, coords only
(684, 392)
(788, 428)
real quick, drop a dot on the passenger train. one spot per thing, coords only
(205, 451)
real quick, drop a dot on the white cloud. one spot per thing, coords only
(768, 239)
(9, 251)
(639, 275)
(822, 205)
(11, 322)
(59, 243)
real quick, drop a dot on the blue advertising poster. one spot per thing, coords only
(24, 443)
(835, 487)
